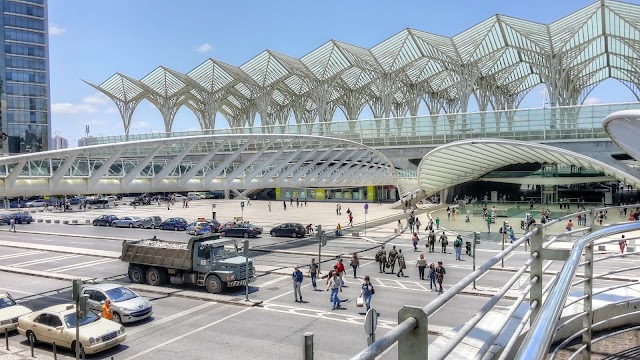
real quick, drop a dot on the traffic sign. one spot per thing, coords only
(366, 206)
(371, 322)
(241, 204)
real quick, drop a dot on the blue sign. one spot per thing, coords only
(242, 204)
(366, 206)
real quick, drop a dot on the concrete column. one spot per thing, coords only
(226, 194)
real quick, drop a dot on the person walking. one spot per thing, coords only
(453, 214)
(489, 224)
(415, 240)
(440, 271)
(269, 206)
(284, 204)
(381, 258)
(366, 292)
(421, 264)
(297, 202)
(569, 225)
(437, 223)
(443, 242)
(313, 272)
(432, 241)
(432, 276)
(401, 264)
(448, 213)
(12, 225)
(337, 209)
(350, 219)
(355, 264)
(305, 202)
(457, 247)
(623, 244)
(418, 224)
(340, 269)
(399, 226)
(391, 260)
(297, 283)
(335, 285)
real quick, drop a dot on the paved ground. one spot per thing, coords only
(272, 330)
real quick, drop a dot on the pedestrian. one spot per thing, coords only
(453, 214)
(106, 310)
(305, 202)
(437, 223)
(443, 242)
(297, 202)
(411, 223)
(401, 263)
(350, 219)
(432, 276)
(297, 283)
(415, 241)
(623, 244)
(418, 225)
(269, 206)
(313, 272)
(284, 203)
(399, 226)
(569, 225)
(448, 213)
(335, 285)
(291, 202)
(489, 224)
(457, 246)
(248, 202)
(355, 263)
(467, 218)
(339, 230)
(12, 224)
(391, 259)
(367, 291)
(337, 209)
(340, 269)
(381, 258)
(432, 241)
(440, 271)
(421, 264)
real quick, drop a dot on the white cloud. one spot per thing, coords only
(206, 47)
(110, 111)
(69, 108)
(96, 99)
(591, 100)
(140, 125)
(56, 30)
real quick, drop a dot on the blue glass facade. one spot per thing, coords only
(24, 76)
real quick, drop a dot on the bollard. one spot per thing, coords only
(31, 345)
(6, 337)
(308, 346)
(55, 354)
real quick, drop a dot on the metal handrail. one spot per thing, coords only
(539, 338)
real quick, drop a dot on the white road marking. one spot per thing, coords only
(21, 254)
(273, 281)
(82, 265)
(32, 295)
(166, 319)
(41, 261)
(402, 286)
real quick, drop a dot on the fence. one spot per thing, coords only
(413, 322)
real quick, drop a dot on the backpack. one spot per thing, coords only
(457, 243)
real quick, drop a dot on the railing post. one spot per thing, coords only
(587, 319)
(413, 346)
(536, 271)
(308, 346)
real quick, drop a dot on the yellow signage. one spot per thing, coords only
(320, 194)
(371, 193)
(277, 193)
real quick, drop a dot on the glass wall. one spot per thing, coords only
(24, 75)
(361, 194)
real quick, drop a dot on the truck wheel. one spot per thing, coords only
(155, 277)
(213, 284)
(136, 275)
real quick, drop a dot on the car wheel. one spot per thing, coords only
(245, 235)
(114, 224)
(140, 226)
(95, 223)
(73, 348)
(273, 233)
(117, 318)
(222, 233)
(136, 275)
(32, 337)
(175, 228)
(214, 284)
(294, 235)
(130, 226)
(154, 276)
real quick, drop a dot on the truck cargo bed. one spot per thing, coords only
(153, 252)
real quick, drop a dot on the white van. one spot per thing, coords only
(195, 196)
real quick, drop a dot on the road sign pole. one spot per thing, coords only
(366, 211)
(370, 325)
(246, 269)
(473, 252)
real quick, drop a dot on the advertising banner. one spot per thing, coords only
(320, 194)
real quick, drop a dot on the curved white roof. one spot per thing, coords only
(624, 129)
(462, 161)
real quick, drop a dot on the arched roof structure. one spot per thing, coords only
(197, 163)
(463, 161)
(498, 61)
(624, 129)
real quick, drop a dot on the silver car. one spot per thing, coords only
(128, 221)
(152, 222)
(127, 306)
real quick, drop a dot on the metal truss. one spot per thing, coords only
(498, 61)
(467, 160)
(197, 163)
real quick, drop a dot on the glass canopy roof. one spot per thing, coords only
(508, 56)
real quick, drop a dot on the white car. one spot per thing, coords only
(10, 312)
(126, 305)
(58, 324)
(36, 203)
(111, 198)
(177, 197)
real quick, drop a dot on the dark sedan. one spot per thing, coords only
(293, 230)
(240, 230)
(22, 217)
(177, 224)
(104, 220)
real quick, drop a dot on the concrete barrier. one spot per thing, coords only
(74, 221)
(66, 222)
(40, 220)
(87, 221)
(48, 221)
(355, 234)
(56, 221)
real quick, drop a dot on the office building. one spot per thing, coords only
(58, 142)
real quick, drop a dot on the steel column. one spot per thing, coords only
(587, 318)
(536, 272)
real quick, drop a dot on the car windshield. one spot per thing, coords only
(120, 294)
(5, 302)
(70, 319)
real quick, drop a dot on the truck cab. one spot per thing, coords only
(220, 258)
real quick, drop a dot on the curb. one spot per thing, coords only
(71, 235)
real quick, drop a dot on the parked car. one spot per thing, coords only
(5, 219)
(10, 312)
(215, 225)
(58, 324)
(127, 221)
(245, 230)
(110, 198)
(177, 197)
(17, 204)
(293, 230)
(127, 306)
(22, 217)
(97, 201)
(104, 220)
(195, 196)
(77, 200)
(140, 200)
(199, 228)
(36, 203)
(174, 224)
(152, 222)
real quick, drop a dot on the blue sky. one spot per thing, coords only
(92, 40)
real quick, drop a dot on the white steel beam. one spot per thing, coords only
(103, 170)
(345, 168)
(266, 163)
(55, 179)
(207, 179)
(298, 173)
(128, 178)
(284, 163)
(329, 161)
(172, 165)
(199, 165)
(336, 167)
(11, 178)
(251, 160)
(294, 168)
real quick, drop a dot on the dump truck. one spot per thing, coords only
(205, 260)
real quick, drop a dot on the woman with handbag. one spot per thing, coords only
(367, 291)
